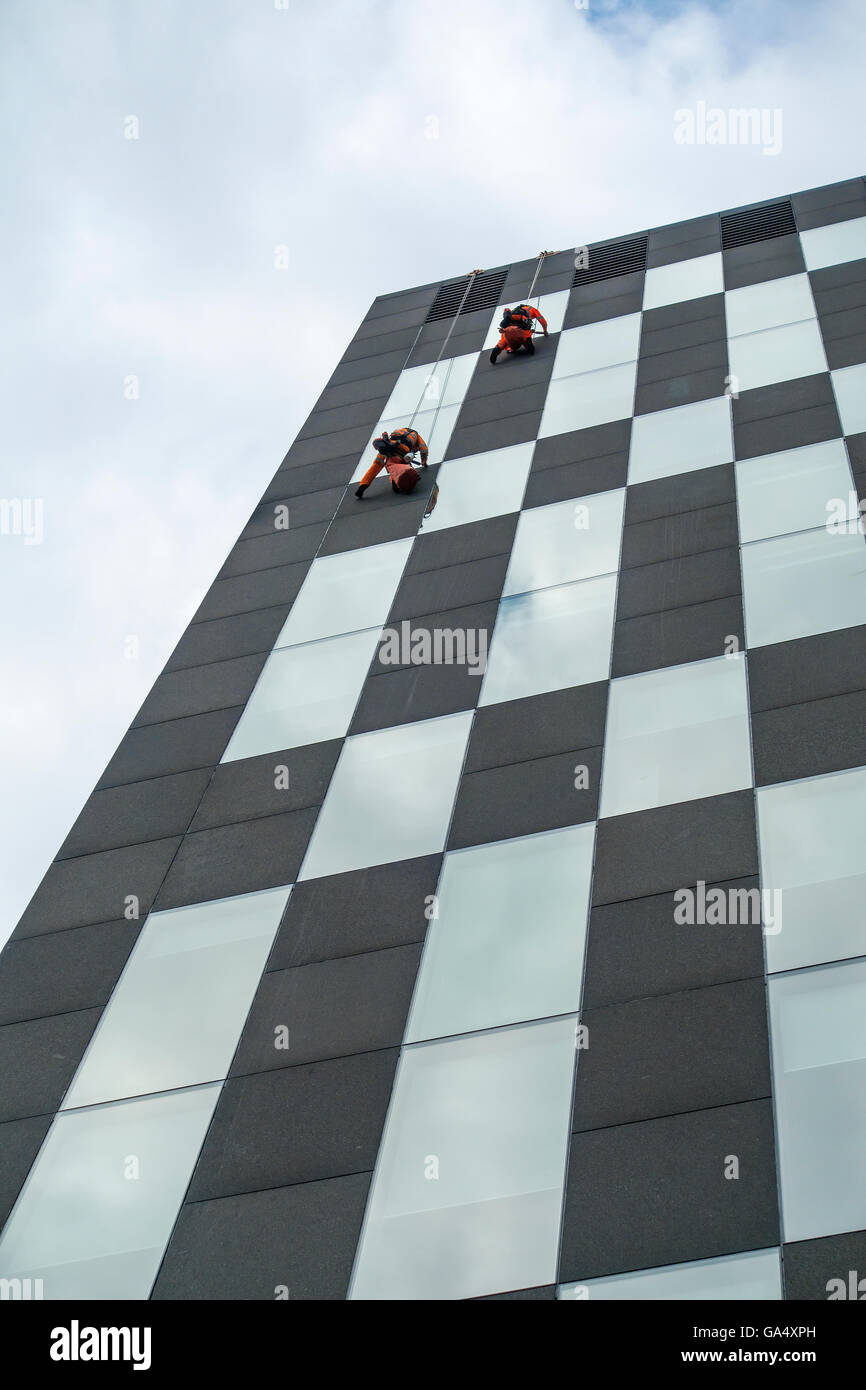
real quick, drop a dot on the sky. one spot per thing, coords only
(201, 202)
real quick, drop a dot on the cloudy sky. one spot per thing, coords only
(385, 143)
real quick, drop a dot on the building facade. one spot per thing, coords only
(474, 907)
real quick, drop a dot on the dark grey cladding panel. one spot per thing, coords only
(243, 858)
(671, 1053)
(518, 401)
(458, 346)
(575, 480)
(693, 229)
(525, 798)
(97, 887)
(419, 297)
(512, 373)
(289, 482)
(326, 447)
(300, 1239)
(63, 971)
(805, 740)
(678, 583)
(38, 1060)
(305, 510)
(682, 492)
(676, 636)
(178, 746)
(828, 195)
(685, 361)
(280, 547)
(838, 287)
(685, 337)
(638, 948)
(495, 434)
(457, 544)
(582, 446)
(786, 431)
(605, 299)
(537, 727)
(344, 417)
(332, 1008)
(399, 340)
(349, 914)
(245, 789)
(368, 367)
(763, 260)
(681, 390)
(683, 250)
(655, 1193)
(474, 326)
(783, 398)
(708, 309)
(248, 592)
(479, 616)
(809, 668)
(20, 1142)
(846, 351)
(686, 533)
(542, 1293)
(667, 847)
(372, 388)
(822, 1269)
(306, 1123)
(397, 518)
(199, 689)
(223, 639)
(836, 212)
(412, 693)
(397, 321)
(136, 812)
(453, 586)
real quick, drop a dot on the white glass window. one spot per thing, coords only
(345, 593)
(840, 241)
(676, 735)
(795, 586)
(177, 1011)
(849, 384)
(506, 944)
(692, 279)
(305, 694)
(753, 1276)
(597, 345)
(551, 306)
(813, 860)
(769, 304)
(680, 440)
(390, 797)
(794, 490)
(426, 387)
(480, 486)
(818, 1030)
(551, 639)
(593, 398)
(777, 354)
(96, 1212)
(467, 1192)
(566, 541)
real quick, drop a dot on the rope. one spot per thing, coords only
(535, 277)
(471, 282)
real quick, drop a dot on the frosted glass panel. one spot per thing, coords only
(776, 354)
(794, 586)
(769, 304)
(849, 384)
(492, 1111)
(754, 1276)
(693, 279)
(818, 1030)
(550, 639)
(305, 694)
(423, 388)
(345, 593)
(596, 345)
(566, 541)
(840, 241)
(680, 440)
(177, 1012)
(83, 1224)
(675, 735)
(507, 944)
(390, 796)
(479, 486)
(790, 491)
(813, 851)
(593, 398)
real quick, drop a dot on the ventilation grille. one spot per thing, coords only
(618, 258)
(484, 294)
(757, 224)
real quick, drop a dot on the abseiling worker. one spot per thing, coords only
(516, 330)
(394, 451)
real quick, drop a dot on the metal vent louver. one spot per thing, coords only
(757, 224)
(617, 258)
(484, 294)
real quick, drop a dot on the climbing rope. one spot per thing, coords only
(536, 275)
(431, 375)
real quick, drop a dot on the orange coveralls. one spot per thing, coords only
(527, 333)
(382, 460)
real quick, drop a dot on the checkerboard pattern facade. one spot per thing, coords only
(393, 956)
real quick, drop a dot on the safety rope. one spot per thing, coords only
(431, 375)
(535, 277)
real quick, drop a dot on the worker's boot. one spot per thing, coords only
(530, 346)
(494, 354)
